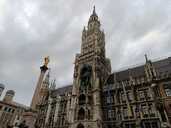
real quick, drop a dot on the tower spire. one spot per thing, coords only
(93, 20)
(94, 9)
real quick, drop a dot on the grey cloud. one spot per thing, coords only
(30, 30)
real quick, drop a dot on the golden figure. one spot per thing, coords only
(46, 61)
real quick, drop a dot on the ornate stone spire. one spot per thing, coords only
(93, 20)
(91, 33)
(94, 10)
(150, 69)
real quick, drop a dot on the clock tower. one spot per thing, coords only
(91, 70)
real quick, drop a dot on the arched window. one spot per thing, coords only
(119, 117)
(80, 126)
(81, 114)
(82, 99)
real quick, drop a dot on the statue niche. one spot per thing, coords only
(85, 77)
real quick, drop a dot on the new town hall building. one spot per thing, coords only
(138, 97)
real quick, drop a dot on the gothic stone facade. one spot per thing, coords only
(139, 97)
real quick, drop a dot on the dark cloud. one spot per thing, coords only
(30, 30)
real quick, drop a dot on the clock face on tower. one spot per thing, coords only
(85, 76)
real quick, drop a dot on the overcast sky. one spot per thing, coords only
(32, 29)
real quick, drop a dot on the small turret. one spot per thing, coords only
(150, 69)
(146, 58)
(2, 87)
(9, 96)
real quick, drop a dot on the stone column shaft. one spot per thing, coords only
(36, 95)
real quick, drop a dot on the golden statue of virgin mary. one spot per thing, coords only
(46, 61)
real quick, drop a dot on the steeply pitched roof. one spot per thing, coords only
(15, 104)
(20, 105)
(162, 67)
(62, 90)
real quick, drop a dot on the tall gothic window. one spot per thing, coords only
(110, 114)
(82, 99)
(151, 109)
(137, 111)
(125, 112)
(144, 110)
(123, 97)
(85, 77)
(108, 100)
(81, 114)
(119, 116)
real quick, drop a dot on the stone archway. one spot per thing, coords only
(80, 126)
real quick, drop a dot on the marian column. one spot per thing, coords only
(36, 95)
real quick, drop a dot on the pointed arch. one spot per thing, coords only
(80, 125)
(81, 114)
